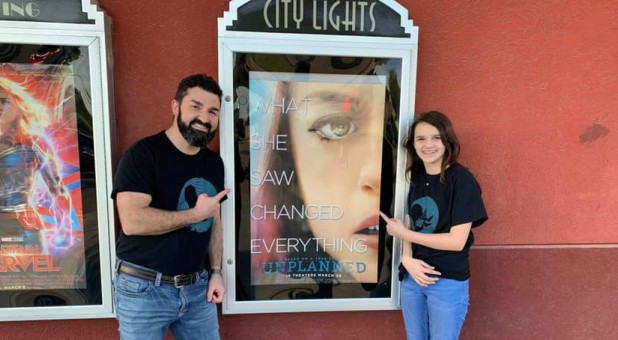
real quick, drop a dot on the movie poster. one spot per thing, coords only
(41, 218)
(315, 171)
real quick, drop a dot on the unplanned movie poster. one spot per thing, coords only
(41, 218)
(315, 171)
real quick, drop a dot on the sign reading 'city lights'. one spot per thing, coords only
(341, 17)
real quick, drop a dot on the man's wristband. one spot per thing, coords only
(215, 271)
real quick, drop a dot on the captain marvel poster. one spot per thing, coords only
(41, 218)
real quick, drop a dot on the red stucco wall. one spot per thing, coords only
(531, 87)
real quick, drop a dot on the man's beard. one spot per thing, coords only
(194, 137)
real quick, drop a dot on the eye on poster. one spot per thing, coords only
(315, 195)
(41, 217)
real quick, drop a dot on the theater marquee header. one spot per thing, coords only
(320, 17)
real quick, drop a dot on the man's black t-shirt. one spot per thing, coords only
(174, 180)
(434, 207)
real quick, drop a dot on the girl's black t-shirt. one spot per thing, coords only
(434, 207)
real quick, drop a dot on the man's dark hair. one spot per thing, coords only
(201, 80)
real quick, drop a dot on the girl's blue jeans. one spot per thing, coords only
(435, 312)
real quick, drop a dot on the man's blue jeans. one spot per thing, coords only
(434, 312)
(146, 310)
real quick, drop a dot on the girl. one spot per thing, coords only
(444, 204)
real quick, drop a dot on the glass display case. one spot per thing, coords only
(56, 147)
(321, 98)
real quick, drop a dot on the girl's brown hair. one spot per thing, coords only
(451, 144)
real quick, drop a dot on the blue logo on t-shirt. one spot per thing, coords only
(424, 215)
(188, 196)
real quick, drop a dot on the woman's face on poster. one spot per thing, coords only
(5, 102)
(337, 135)
(8, 110)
